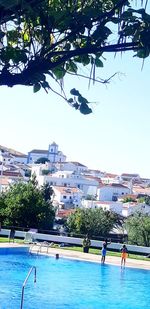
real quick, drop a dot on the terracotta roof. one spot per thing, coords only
(11, 173)
(130, 175)
(110, 175)
(20, 155)
(4, 181)
(115, 185)
(132, 196)
(77, 163)
(67, 190)
(119, 185)
(93, 177)
(65, 212)
(38, 151)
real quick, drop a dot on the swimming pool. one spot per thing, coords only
(70, 284)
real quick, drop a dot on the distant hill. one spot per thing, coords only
(12, 151)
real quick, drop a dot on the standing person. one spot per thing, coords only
(104, 250)
(86, 244)
(12, 234)
(124, 254)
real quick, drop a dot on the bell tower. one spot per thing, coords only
(52, 152)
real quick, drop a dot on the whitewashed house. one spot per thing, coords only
(110, 206)
(109, 178)
(66, 179)
(66, 197)
(20, 159)
(4, 184)
(73, 166)
(111, 192)
(131, 207)
(128, 177)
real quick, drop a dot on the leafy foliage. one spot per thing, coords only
(54, 38)
(27, 206)
(41, 160)
(92, 222)
(138, 228)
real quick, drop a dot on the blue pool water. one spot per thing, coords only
(69, 284)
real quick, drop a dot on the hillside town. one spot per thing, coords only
(74, 184)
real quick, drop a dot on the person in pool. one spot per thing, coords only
(104, 250)
(124, 254)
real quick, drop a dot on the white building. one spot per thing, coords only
(10, 156)
(66, 179)
(67, 197)
(111, 192)
(109, 178)
(106, 206)
(22, 159)
(131, 207)
(52, 154)
(128, 177)
(71, 166)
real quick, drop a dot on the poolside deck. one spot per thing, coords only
(80, 255)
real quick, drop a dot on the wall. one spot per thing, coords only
(76, 241)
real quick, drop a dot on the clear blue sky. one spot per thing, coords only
(114, 138)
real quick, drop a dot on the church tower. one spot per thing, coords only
(53, 152)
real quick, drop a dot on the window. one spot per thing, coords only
(51, 150)
(64, 196)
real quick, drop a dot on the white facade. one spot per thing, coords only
(20, 159)
(71, 166)
(111, 192)
(52, 154)
(109, 179)
(130, 208)
(66, 179)
(109, 206)
(68, 197)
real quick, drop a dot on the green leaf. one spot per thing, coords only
(36, 87)
(74, 92)
(59, 72)
(85, 109)
(98, 63)
(45, 84)
(72, 67)
(144, 53)
(70, 100)
(82, 100)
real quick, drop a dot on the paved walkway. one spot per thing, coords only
(91, 257)
(80, 255)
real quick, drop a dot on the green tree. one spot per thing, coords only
(129, 199)
(47, 192)
(92, 222)
(42, 160)
(54, 38)
(24, 205)
(138, 228)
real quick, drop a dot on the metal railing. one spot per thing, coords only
(25, 282)
(39, 246)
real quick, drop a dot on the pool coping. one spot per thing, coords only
(89, 257)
